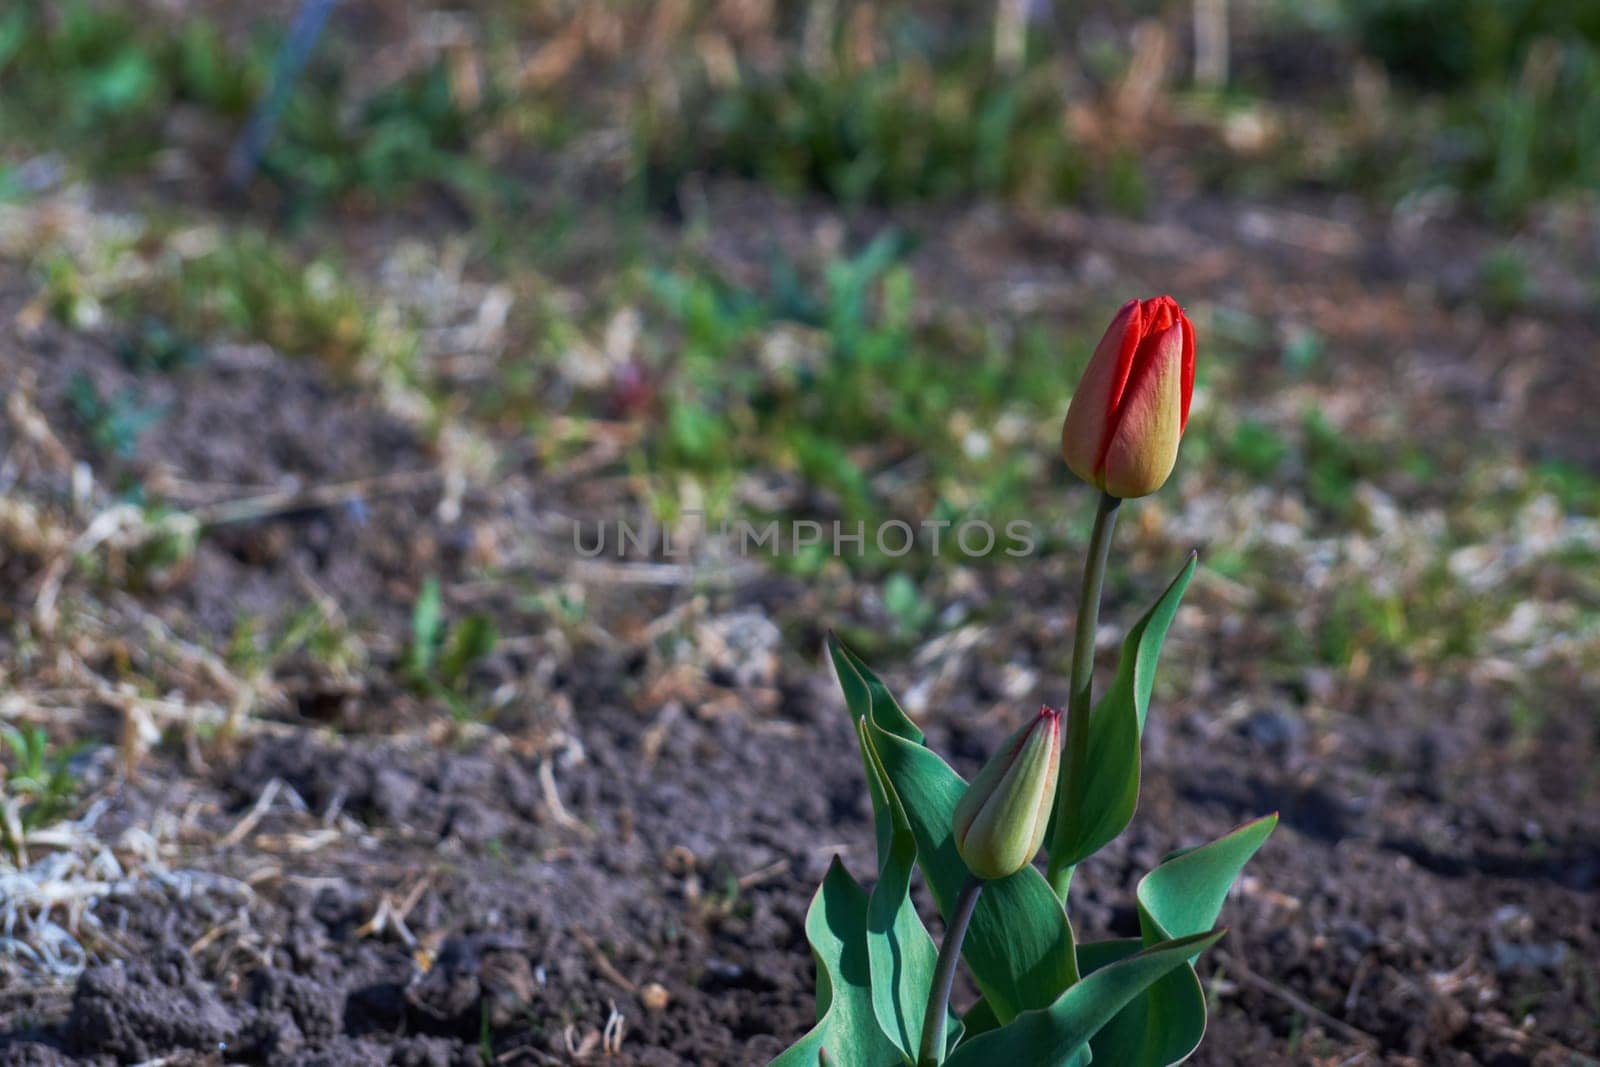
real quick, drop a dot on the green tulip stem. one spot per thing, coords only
(934, 1019)
(1081, 698)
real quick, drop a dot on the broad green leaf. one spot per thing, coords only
(847, 1029)
(1181, 897)
(1019, 946)
(1093, 955)
(901, 953)
(1059, 1035)
(1162, 1025)
(1092, 811)
(980, 1019)
(1184, 894)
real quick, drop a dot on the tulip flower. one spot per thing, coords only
(1046, 1004)
(1000, 821)
(1123, 425)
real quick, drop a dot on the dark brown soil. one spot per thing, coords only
(1416, 918)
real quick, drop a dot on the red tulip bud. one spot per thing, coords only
(1125, 420)
(1000, 820)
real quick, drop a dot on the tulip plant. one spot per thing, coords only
(1047, 999)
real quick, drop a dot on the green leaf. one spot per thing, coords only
(427, 621)
(1093, 955)
(901, 954)
(847, 1031)
(867, 697)
(1095, 809)
(1184, 894)
(1019, 946)
(1181, 897)
(1059, 1034)
(470, 641)
(1162, 1025)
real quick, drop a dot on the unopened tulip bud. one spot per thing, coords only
(1124, 422)
(1000, 821)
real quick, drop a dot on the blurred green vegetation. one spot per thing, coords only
(71, 75)
(255, 650)
(441, 655)
(1447, 44)
(104, 84)
(114, 423)
(412, 133)
(910, 127)
(836, 380)
(249, 285)
(37, 783)
(1498, 100)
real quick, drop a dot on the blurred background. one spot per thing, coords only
(329, 330)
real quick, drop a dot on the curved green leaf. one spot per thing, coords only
(1019, 946)
(901, 954)
(867, 696)
(1095, 809)
(1163, 1025)
(980, 1019)
(1184, 894)
(1059, 1035)
(1181, 897)
(847, 1028)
